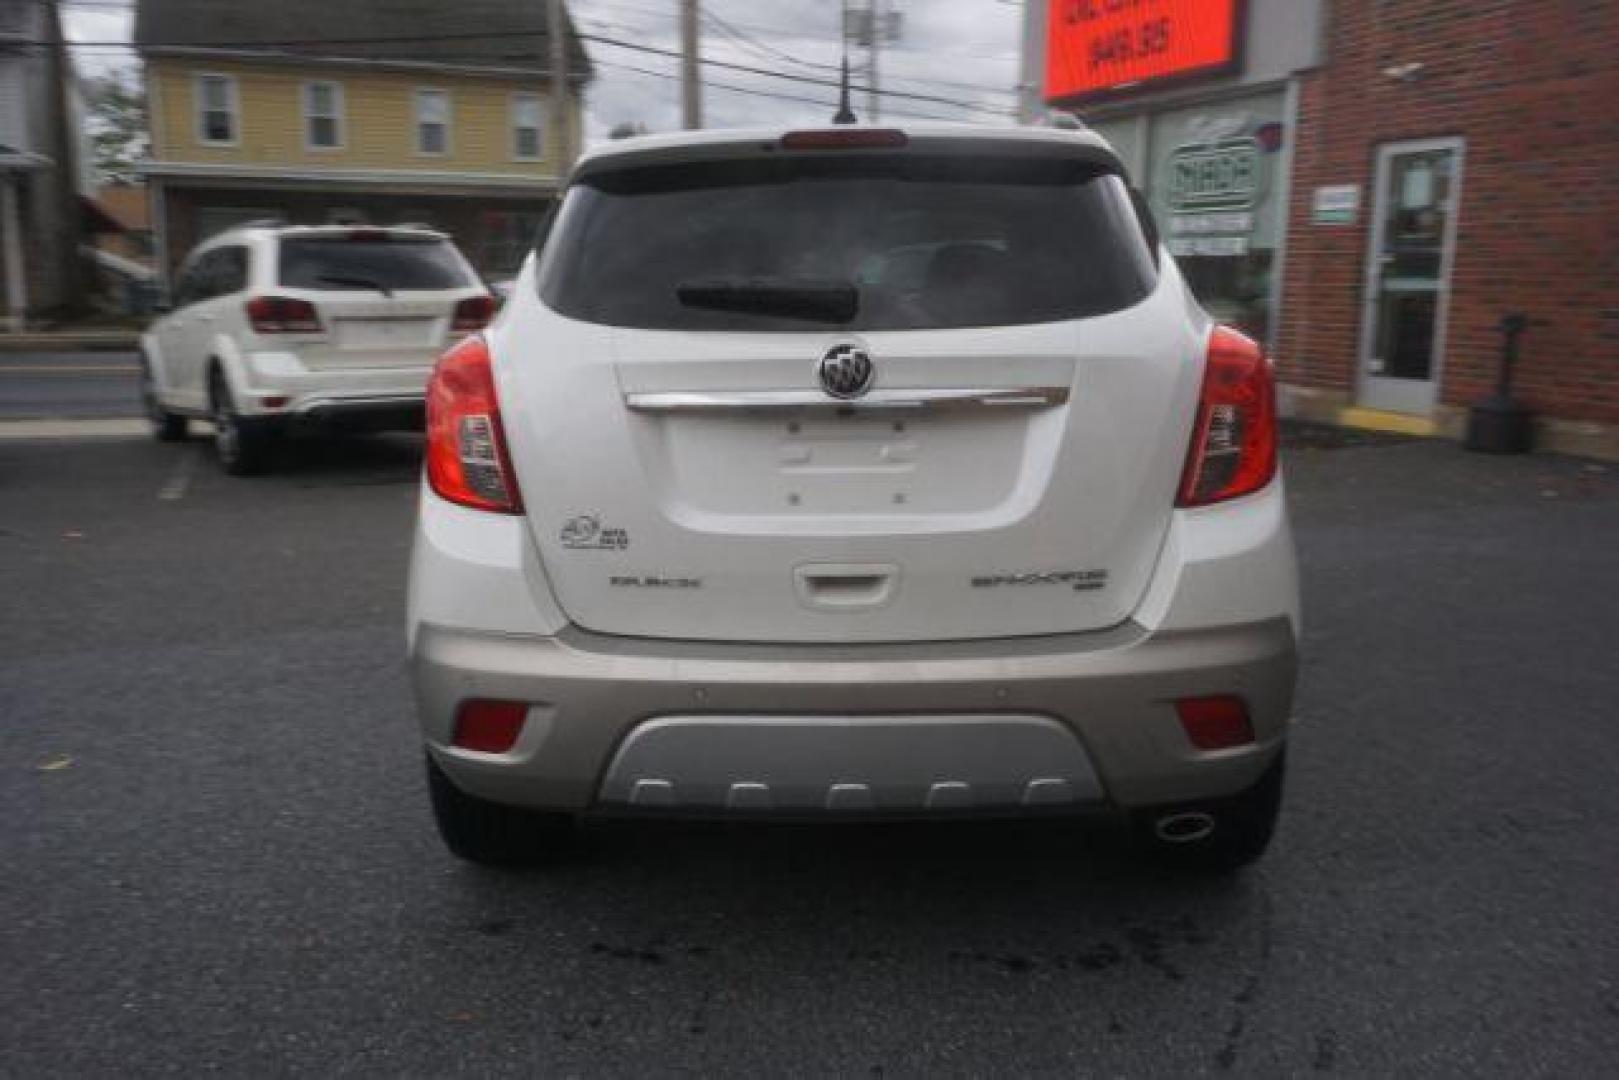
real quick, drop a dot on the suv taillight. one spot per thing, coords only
(282, 315)
(1233, 449)
(467, 461)
(473, 313)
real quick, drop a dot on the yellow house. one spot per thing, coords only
(357, 111)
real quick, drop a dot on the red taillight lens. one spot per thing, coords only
(474, 313)
(282, 315)
(1233, 449)
(1216, 723)
(491, 727)
(467, 461)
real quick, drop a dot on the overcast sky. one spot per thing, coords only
(962, 50)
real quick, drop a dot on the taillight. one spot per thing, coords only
(845, 139)
(282, 315)
(491, 727)
(1233, 450)
(1215, 723)
(467, 461)
(474, 313)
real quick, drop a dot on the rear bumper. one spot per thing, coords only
(1061, 722)
(374, 397)
(393, 412)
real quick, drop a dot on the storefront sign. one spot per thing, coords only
(1097, 46)
(1336, 204)
(1220, 175)
(1211, 187)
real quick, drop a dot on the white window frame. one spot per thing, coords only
(416, 123)
(338, 116)
(518, 100)
(233, 95)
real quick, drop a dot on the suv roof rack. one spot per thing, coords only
(263, 223)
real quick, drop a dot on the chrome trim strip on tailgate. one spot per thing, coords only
(780, 400)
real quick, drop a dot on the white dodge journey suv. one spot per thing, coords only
(853, 474)
(277, 327)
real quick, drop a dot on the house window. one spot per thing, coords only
(216, 109)
(526, 132)
(432, 122)
(323, 115)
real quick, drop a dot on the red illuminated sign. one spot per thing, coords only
(1095, 46)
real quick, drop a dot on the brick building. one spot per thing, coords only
(1484, 136)
(1370, 186)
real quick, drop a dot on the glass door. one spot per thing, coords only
(1408, 274)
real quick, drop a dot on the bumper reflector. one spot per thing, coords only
(490, 727)
(1216, 723)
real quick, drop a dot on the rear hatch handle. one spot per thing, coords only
(920, 399)
(845, 586)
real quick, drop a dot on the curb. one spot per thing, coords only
(88, 341)
(103, 427)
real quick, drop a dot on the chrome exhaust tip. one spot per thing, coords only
(1184, 828)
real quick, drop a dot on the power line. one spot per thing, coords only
(730, 28)
(799, 32)
(600, 39)
(758, 47)
(752, 92)
(791, 77)
(771, 54)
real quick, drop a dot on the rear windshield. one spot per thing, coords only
(371, 262)
(899, 242)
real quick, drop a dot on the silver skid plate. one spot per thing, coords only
(849, 764)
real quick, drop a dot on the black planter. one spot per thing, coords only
(1499, 425)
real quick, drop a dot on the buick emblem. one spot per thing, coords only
(846, 371)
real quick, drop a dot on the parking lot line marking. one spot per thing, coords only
(174, 488)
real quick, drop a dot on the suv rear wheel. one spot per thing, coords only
(166, 426)
(242, 445)
(493, 834)
(1219, 837)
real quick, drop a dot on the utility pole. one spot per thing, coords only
(691, 88)
(868, 26)
(872, 100)
(1030, 104)
(65, 149)
(557, 30)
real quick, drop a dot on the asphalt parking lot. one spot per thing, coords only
(217, 852)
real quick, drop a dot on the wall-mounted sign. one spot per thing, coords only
(1212, 184)
(1335, 204)
(1097, 47)
(1222, 175)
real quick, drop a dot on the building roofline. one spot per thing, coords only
(406, 179)
(286, 58)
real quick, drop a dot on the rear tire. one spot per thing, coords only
(241, 444)
(166, 426)
(493, 834)
(1242, 827)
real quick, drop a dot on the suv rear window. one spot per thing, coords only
(362, 261)
(891, 242)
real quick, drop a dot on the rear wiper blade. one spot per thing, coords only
(820, 301)
(357, 282)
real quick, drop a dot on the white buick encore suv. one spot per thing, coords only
(851, 474)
